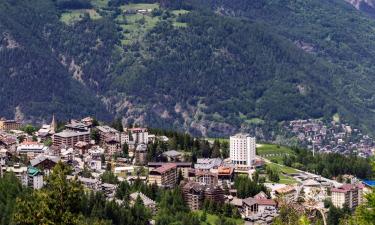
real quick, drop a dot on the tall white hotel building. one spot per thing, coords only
(242, 150)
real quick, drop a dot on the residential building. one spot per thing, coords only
(225, 174)
(311, 188)
(139, 135)
(4, 156)
(124, 171)
(196, 193)
(45, 163)
(19, 171)
(256, 207)
(141, 154)
(147, 202)
(182, 167)
(112, 146)
(8, 141)
(70, 138)
(348, 194)
(31, 147)
(287, 193)
(77, 126)
(242, 150)
(164, 176)
(90, 183)
(34, 178)
(206, 177)
(8, 125)
(81, 147)
(173, 155)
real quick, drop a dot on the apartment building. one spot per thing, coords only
(242, 150)
(348, 194)
(164, 176)
(31, 147)
(196, 193)
(8, 125)
(70, 138)
(139, 135)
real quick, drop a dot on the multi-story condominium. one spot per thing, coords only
(182, 167)
(242, 150)
(164, 176)
(206, 177)
(34, 178)
(28, 147)
(19, 171)
(141, 154)
(139, 135)
(258, 206)
(196, 193)
(70, 138)
(9, 125)
(111, 146)
(348, 194)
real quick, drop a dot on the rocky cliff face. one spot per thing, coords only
(360, 3)
(367, 6)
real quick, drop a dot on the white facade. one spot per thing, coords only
(31, 147)
(242, 149)
(349, 194)
(139, 135)
(36, 182)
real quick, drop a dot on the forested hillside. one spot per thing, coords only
(32, 77)
(209, 67)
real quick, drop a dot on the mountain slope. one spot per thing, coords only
(330, 30)
(32, 79)
(209, 67)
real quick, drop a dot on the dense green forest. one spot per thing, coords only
(330, 165)
(209, 67)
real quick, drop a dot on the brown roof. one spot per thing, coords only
(264, 201)
(225, 170)
(347, 187)
(260, 201)
(285, 190)
(165, 167)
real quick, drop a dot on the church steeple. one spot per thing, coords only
(53, 124)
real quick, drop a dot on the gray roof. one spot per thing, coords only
(106, 129)
(146, 200)
(141, 148)
(41, 158)
(172, 153)
(206, 163)
(68, 133)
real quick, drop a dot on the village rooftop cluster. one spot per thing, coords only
(86, 145)
(334, 137)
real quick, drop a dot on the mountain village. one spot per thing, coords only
(92, 150)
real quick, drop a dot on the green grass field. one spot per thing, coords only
(284, 173)
(139, 6)
(100, 3)
(213, 219)
(135, 25)
(179, 24)
(273, 152)
(283, 169)
(287, 180)
(76, 15)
